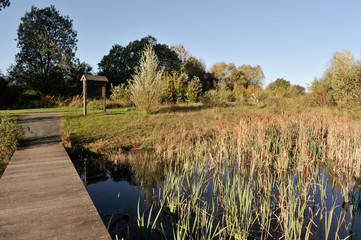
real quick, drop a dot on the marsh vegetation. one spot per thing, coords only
(235, 173)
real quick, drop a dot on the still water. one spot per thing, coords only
(116, 188)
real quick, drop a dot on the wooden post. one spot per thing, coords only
(85, 95)
(104, 97)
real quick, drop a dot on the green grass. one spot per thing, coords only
(128, 128)
(41, 110)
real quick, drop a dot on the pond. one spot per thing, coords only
(116, 188)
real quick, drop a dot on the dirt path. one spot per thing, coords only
(40, 128)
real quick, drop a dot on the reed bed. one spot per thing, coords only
(263, 178)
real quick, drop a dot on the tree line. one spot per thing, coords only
(46, 65)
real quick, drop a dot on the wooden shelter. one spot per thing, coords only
(97, 85)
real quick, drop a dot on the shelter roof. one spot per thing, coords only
(87, 77)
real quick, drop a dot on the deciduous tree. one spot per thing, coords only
(46, 58)
(118, 66)
(345, 79)
(244, 76)
(4, 4)
(147, 84)
(279, 87)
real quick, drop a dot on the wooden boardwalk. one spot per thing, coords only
(41, 194)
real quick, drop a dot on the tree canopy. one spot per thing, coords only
(244, 75)
(46, 58)
(120, 63)
(344, 76)
(4, 4)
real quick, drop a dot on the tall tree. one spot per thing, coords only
(47, 45)
(4, 4)
(194, 67)
(345, 79)
(147, 84)
(244, 76)
(120, 64)
(279, 87)
(115, 65)
(183, 54)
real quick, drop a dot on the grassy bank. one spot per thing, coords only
(10, 135)
(124, 129)
(237, 172)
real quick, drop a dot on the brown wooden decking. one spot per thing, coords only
(41, 194)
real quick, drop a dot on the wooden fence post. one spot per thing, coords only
(104, 96)
(84, 97)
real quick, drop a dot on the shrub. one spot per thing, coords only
(219, 97)
(175, 89)
(321, 94)
(211, 98)
(193, 89)
(146, 87)
(121, 94)
(10, 135)
(76, 101)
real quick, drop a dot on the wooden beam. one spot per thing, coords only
(104, 97)
(85, 95)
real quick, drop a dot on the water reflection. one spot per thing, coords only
(117, 185)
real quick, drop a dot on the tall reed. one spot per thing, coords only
(259, 179)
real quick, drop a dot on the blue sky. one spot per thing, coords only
(289, 39)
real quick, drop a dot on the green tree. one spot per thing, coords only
(47, 45)
(175, 87)
(222, 70)
(118, 66)
(247, 76)
(244, 75)
(4, 4)
(193, 90)
(296, 90)
(147, 84)
(345, 79)
(320, 93)
(194, 67)
(115, 65)
(182, 53)
(279, 87)
(74, 85)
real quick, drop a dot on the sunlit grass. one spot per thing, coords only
(236, 172)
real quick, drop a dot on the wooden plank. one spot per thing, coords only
(41, 194)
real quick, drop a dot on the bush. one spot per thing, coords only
(321, 94)
(214, 98)
(147, 85)
(121, 94)
(193, 89)
(175, 87)
(219, 97)
(10, 135)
